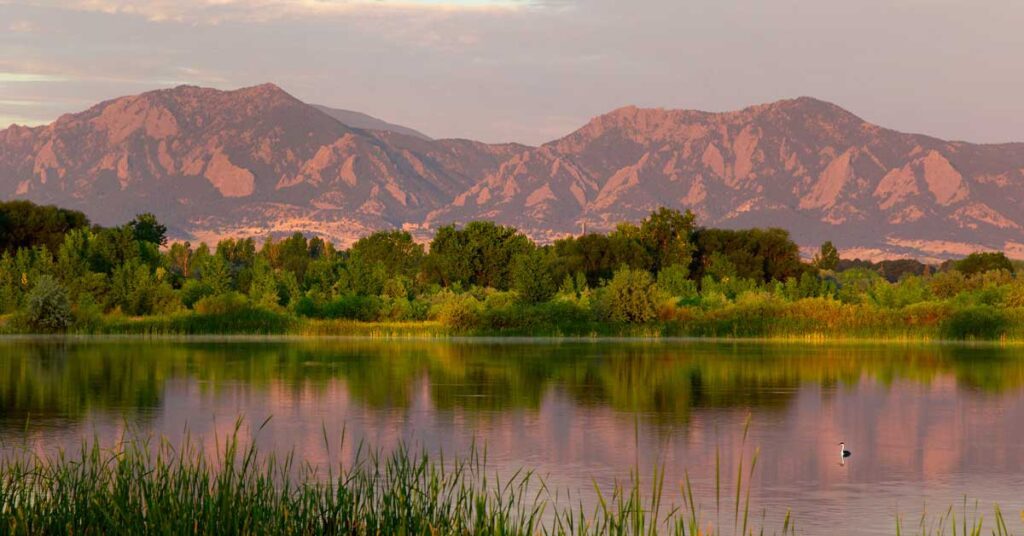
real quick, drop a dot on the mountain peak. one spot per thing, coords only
(257, 160)
(808, 106)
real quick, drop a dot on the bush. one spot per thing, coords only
(350, 307)
(88, 314)
(629, 297)
(193, 291)
(353, 307)
(1015, 295)
(554, 317)
(229, 302)
(945, 285)
(926, 314)
(909, 290)
(460, 312)
(674, 280)
(979, 322)
(47, 307)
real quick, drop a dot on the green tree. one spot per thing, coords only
(137, 290)
(760, 254)
(827, 257)
(180, 259)
(146, 228)
(293, 255)
(110, 248)
(263, 292)
(480, 254)
(10, 284)
(532, 276)
(396, 251)
(215, 272)
(977, 263)
(665, 235)
(24, 224)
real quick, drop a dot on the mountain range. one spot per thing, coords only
(257, 160)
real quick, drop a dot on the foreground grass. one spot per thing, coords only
(140, 488)
(143, 488)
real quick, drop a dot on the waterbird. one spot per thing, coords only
(842, 451)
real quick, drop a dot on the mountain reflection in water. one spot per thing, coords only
(927, 423)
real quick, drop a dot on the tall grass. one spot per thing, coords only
(969, 523)
(139, 486)
(142, 487)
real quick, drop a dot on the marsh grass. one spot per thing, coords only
(963, 521)
(141, 486)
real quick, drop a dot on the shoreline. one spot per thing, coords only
(810, 340)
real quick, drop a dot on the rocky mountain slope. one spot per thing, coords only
(360, 120)
(802, 164)
(256, 160)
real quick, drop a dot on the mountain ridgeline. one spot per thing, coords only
(257, 161)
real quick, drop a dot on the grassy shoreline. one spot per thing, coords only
(193, 326)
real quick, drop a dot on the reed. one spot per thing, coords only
(141, 486)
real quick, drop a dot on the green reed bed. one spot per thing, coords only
(139, 487)
(145, 487)
(812, 320)
(250, 321)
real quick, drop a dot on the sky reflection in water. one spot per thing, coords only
(926, 424)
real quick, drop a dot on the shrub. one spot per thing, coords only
(47, 307)
(978, 322)
(88, 314)
(193, 291)
(947, 284)
(675, 281)
(929, 314)
(229, 302)
(399, 308)
(909, 290)
(245, 320)
(460, 312)
(353, 307)
(629, 297)
(308, 307)
(558, 316)
(1015, 295)
(500, 300)
(855, 283)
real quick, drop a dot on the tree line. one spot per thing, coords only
(57, 271)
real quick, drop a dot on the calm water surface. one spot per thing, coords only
(927, 425)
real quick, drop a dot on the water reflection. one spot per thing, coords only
(927, 424)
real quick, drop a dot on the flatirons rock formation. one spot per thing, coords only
(802, 164)
(257, 160)
(214, 163)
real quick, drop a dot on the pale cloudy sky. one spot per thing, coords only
(532, 70)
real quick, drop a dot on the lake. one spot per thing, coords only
(927, 424)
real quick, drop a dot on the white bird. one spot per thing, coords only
(843, 452)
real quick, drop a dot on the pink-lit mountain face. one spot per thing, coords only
(257, 161)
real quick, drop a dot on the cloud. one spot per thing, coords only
(22, 26)
(13, 77)
(219, 11)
